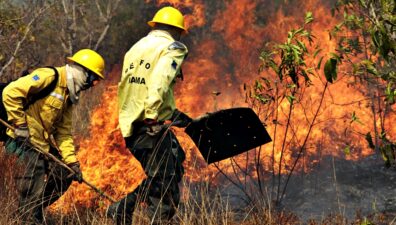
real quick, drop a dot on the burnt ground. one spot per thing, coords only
(350, 189)
(343, 187)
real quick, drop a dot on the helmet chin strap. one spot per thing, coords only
(76, 80)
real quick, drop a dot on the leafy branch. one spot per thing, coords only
(369, 49)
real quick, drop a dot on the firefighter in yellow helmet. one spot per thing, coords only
(145, 98)
(40, 106)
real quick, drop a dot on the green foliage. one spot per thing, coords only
(308, 18)
(290, 98)
(288, 75)
(367, 46)
(330, 70)
(287, 61)
(347, 150)
(354, 118)
(388, 155)
(387, 149)
(369, 67)
(390, 93)
(372, 21)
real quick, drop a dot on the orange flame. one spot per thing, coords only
(105, 161)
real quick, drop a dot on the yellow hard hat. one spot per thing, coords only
(90, 60)
(170, 16)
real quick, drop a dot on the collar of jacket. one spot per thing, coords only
(161, 33)
(62, 76)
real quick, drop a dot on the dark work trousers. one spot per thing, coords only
(40, 183)
(161, 158)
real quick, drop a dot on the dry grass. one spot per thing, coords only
(201, 205)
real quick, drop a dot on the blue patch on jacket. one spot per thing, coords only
(36, 77)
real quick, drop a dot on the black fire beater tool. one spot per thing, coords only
(227, 133)
(52, 157)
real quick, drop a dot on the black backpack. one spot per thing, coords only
(43, 93)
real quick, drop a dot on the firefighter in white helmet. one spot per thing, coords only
(39, 105)
(145, 98)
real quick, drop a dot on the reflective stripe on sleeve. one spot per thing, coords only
(58, 96)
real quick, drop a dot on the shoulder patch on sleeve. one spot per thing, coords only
(174, 64)
(177, 45)
(36, 77)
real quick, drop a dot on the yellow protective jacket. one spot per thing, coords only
(51, 115)
(145, 90)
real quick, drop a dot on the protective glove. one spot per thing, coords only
(78, 174)
(21, 133)
(153, 126)
(180, 119)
